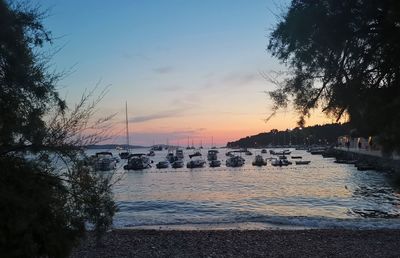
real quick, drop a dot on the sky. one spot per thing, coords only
(188, 69)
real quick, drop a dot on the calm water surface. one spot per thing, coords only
(320, 195)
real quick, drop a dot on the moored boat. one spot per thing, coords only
(345, 161)
(259, 161)
(104, 161)
(280, 162)
(177, 164)
(163, 164)
(179, 154)
(196, 163)
(137, 161)
(151, 153)
(235, 161)
(302, 162)
(196, 154)
(215, 163)
(212, 155)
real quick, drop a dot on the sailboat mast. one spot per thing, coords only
(127, 129)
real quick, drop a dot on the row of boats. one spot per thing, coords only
(139, 161)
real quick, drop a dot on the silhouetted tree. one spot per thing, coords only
(343, 56)
(45, 205)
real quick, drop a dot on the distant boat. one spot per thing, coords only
(215, 163)
(235, 161)
(296, 157)
(280, 162)
(104, 161)
(212, 155)
(163, 164)
(151, 153)
(284, 152)
(302, 162)
(263, 151)
(196, 163)
(137, 162)
(196, 154)
(345, 161)
(156, 148)
(259, 161)
(179, 154)
(177, 164)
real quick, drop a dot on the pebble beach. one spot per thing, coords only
(243, 243)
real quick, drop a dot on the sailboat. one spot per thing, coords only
(212, 143)
(126, 153)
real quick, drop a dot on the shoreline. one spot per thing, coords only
(242, 243)
(217, 226)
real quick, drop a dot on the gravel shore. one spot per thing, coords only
(243, 243)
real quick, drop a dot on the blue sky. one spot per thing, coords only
(187, 68)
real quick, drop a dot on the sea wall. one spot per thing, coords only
(380, 162)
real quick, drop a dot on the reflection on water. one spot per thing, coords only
(322, 194)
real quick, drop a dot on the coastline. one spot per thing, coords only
(217, 226)
(242, 243)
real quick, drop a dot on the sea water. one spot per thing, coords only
(322, 194)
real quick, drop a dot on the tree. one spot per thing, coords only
(343, 56)
(45, 205)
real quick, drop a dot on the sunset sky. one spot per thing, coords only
(186, 68)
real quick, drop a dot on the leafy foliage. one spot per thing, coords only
(48, 194)
(317, 134)
(344, 56)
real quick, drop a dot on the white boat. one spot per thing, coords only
(178, 164)
(163, 164)
(179, 154)
(196, 163)
(259, 161)
(212, 155)
(104, 161)
(235, 161)
(283, 152)
(196, 154)
(138, 162)
(280, 162)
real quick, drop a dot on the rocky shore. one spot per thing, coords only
(243, 243)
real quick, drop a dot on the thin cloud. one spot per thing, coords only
(163, 69)
(241, 79)
(159, 115)
(171, 88)
(129, 56)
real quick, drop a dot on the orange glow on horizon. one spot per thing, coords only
(217, 128)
